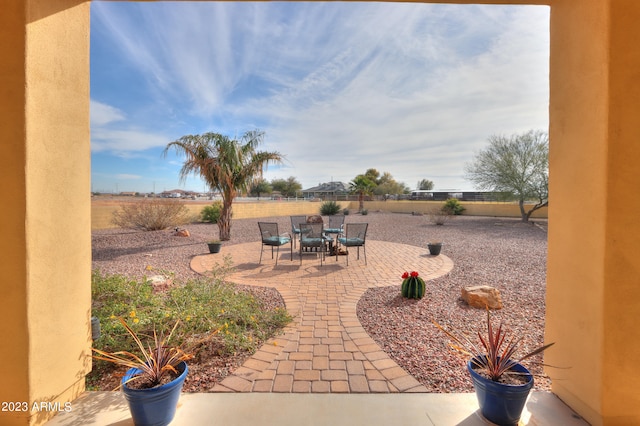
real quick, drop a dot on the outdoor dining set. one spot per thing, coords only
(310, 235)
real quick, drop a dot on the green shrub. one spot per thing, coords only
(151, 215)
(211, 213)
(453, 206)
(329, 208)
(345, 212)
(364, 212)
(212, 313)
(439, 216)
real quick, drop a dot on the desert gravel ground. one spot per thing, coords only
(501, 252)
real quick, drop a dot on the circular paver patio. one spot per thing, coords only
(325, 349)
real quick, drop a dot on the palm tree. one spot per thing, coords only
(228, 165)
(362, 186)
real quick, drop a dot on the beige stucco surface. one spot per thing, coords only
(593, 289)
(46, 169)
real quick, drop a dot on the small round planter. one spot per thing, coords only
(214, 247)
(154, 406)
(434, 248)
(500, 403)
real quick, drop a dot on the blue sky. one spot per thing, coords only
(410, 89)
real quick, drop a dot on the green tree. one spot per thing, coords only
(287, 187)
(386, 184)
(392, 188)
(425, 185)
(373, 175)
(228, 165)
(516, 165)
(260, 186)
(362, 186)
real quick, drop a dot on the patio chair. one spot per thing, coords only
(295, 227)
(312, 236)
(271, 237)
(336, 225)
(354, 236)
(335, 229)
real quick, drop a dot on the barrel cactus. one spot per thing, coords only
(413, 286)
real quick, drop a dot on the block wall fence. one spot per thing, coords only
(101, 213)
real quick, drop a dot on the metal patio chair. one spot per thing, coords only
(312, 236)
(355, 236)
(295, 227)
(335, 229)
(336, 225)
(271, 237)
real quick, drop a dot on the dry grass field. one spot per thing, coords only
(102, 208)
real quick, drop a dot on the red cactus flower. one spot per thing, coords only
(414, 274)
(405, 275)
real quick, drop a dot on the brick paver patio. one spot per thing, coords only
(325, 349)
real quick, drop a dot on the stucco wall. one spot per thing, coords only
(593, 289)
(46, 248)
(101, 212)
(593, 293)
(472, 208)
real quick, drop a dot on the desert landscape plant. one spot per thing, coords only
(211, 213)
(152, 214)
(413, 287)
(453, 206)
(361, 185)
(329, 208)
(496, 353)
(439, 216)
(217, 318)
(227, 165)
(156, 361)
(517, 166)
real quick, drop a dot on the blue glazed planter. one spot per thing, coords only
(155, 406)
(499, 403)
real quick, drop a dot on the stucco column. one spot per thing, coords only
(593, 275)
(45, 249)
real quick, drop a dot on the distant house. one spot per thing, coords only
(326, 190)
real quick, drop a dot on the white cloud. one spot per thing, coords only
(125, 176)
(102, 114)
(123, 141)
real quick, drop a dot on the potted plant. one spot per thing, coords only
(413, 286)
(214, 246)
(153, 383)
(434, 247)
(501, 382)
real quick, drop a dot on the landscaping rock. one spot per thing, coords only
(482, 296)
(182, 233)
(160, 283)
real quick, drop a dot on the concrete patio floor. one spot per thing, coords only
(294, 409)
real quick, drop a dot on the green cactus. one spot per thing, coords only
(413, 287)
